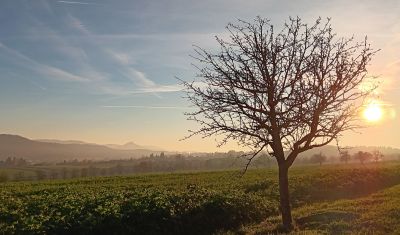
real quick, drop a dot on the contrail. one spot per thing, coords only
(145, 107)
(80, 3)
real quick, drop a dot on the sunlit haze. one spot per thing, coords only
(373, 112)
(105, 71)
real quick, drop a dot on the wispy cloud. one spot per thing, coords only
(145, 107)
(79, 3)
(159, 89)
(78, 25)
(173, 36)
(123, 58)
(120, 59)
(167, 88)
(99, 66)
(139, 77)
(42, 68)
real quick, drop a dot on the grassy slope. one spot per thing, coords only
(376, 214)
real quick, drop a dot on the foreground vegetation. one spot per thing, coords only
(326, 199)
(376, 214)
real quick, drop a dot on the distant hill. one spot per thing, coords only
(133, 146)
(127, 146)
(63, 141)
(21, 147)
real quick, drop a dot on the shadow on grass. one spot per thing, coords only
(336, 222)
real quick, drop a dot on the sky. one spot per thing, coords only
(104, 71)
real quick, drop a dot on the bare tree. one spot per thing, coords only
(285, 92)
(377, 156)
(344, 156)
(363, 156)
(318, 158)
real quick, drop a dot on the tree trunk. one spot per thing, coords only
(284, 197)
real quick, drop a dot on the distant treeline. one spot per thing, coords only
(345, 156)
(13, 161)
(17, 169)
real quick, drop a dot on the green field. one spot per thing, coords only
(331, 199)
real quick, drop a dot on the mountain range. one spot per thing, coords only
(58, 150)
(132, 145)
(126, 146)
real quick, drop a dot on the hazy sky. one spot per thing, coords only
(104, 70)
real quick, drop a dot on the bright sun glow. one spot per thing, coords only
(373, 112)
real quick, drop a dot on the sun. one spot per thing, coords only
(373, 112)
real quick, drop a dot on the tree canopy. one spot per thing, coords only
(293, 90)
(284, 91)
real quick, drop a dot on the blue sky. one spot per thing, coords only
(104, 71)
